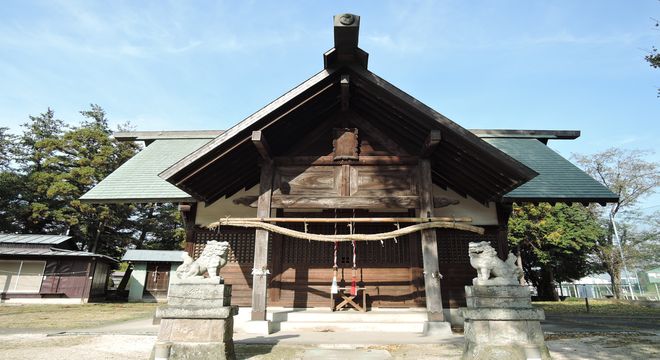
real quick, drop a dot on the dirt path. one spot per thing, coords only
(130, 347)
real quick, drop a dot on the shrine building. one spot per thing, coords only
(347, 153)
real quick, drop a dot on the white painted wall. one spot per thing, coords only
(480, 214)
(137, 282)
(225, 207)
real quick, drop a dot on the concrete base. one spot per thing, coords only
(437, 328)
(321, 320)
(193, 351)
(500, 323)
(198, 323)
(258, 327)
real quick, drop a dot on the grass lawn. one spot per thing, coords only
(597, 307)
(71, 316)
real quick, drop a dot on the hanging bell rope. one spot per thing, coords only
(249, 223)
(353, 291)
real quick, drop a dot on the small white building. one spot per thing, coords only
(599, 286)
(151, 273)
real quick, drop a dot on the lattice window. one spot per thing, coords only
(453, 245)
(317, 253)
(241, 244)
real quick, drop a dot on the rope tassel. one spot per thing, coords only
(334, 289)
(353, 278)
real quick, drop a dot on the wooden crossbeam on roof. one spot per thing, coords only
(535, 134)
(259, 141)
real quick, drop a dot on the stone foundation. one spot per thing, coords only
(197, 323)
(501, 323)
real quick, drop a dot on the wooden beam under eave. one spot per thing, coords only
(344, 202)
(431, 142)
(261, 144)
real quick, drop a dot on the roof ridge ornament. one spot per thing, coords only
(346, 50)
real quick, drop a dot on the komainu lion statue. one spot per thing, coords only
(212, 259)
(484, 258)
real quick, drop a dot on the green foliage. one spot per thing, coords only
(653, 57)
(54, 164)
(640, 240)
(6, 148)
(554, 242)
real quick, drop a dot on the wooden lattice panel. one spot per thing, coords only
(316, 253)
(453, 245)
(241, 244)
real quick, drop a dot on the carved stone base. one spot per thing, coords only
(501, 323)
(197, 323)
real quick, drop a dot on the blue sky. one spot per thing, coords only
(176, 65)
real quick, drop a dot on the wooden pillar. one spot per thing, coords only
(429, 245)
(503, 213)
(188, 214)
(259, 276)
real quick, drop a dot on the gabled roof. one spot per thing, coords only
(137, 180)
(462, 161)
(33, 239)
(153, 255)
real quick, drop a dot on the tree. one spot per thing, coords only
(653, 57)
(37, 164)
(9, 183)
(6, 149)
(554, 243)
(87, 154)
(640, 236)
(158, 226)
(51, 165)
(631, 177)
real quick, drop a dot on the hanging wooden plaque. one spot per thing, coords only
(345, 144)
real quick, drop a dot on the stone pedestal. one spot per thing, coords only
(197, 323)
(501, 323)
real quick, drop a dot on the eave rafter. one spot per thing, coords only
(460, 160)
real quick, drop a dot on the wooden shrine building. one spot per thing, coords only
(347, 144)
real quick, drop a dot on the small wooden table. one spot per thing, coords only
(348, 300)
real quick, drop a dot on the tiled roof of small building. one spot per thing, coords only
(33, 239)
(48, 252)
(153, 255)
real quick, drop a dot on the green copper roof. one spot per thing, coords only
(137, 179)
(558, 179)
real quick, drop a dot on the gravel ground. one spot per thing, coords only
(129, 347)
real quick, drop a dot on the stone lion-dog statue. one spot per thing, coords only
(483, 257)
(212, 259)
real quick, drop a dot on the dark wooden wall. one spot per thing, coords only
(68, 277)
(65, 277)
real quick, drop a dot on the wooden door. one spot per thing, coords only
(158, 279)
